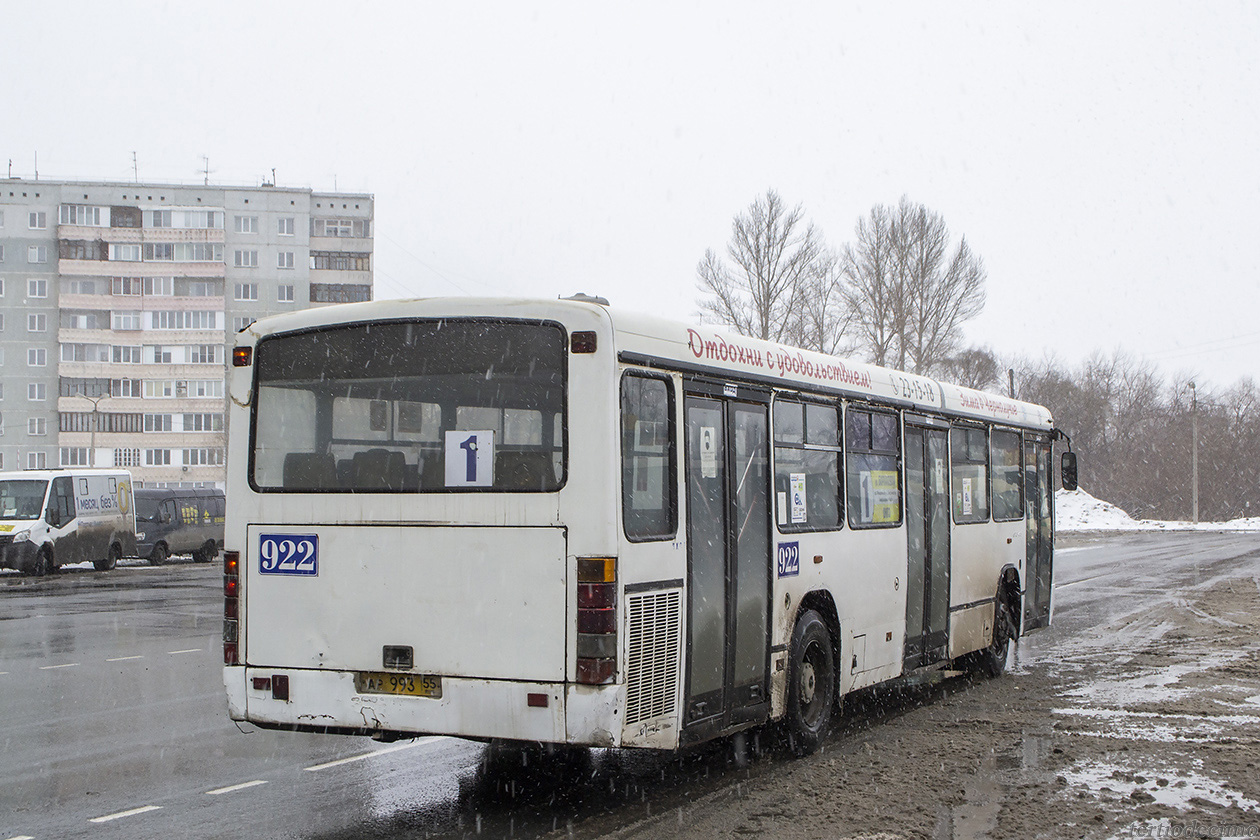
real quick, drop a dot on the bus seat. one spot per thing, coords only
(432, 475)
(345, 472)
(309, 470)
(379, 469)
(530, 470)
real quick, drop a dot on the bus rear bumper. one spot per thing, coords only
(327, 701)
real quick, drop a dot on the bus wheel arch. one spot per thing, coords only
(112, 556)
(991, 660)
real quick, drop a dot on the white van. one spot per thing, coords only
(50, 518)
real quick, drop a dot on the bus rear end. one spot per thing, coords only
(397, 560)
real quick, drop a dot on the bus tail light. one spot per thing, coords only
(231, 607)
(596, 620)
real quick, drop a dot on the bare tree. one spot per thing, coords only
(975, 367)
(774, 255)
(910, 295)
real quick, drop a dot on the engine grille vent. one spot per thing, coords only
(655, 642)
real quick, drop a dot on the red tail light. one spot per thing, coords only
(231, 607)
(596, 620)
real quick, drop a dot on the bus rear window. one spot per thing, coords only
(411, 406)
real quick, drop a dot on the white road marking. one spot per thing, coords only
(124, 658)
(50, 667)
(1074, 582)
(233, 788)
(142, 810)
(190, 650)
(22, 837)
(419, 742)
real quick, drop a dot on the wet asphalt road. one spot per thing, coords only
(115, 723)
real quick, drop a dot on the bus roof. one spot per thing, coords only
(647, 339)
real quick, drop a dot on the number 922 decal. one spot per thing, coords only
(288, 554)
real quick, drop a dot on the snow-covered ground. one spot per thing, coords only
(1079, 511)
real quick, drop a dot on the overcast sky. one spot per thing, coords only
(1102, 161)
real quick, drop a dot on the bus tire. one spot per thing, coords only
(811, 687)
(991, 661)
(158, 555)
(42, 564)
(111, 559)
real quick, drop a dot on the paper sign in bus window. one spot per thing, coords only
(879, 496)
(470, 458)
(966, 497)
(796, 487)
(708, 451)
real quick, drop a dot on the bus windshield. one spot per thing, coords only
(411, 406)
(22, 498)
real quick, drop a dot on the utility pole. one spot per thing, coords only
(95, 401)
(1194, 453)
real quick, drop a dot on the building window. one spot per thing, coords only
(37, 288)
(157, 422)
(125, 320)
(247, 224)
(341, 261)
(159, 286)
(36, 357)
(246, 291)
(203, 422)
(124, 252)
(79, 214)
(38, 220)
(159, 389)
(284, 259)
(240, 322)
(184, 219)
(74, 456)
(37, 322)
(160, 218)
(352, 228)
(37, 254)
(205, 354)
(247, 259)
(203, 457)
(284, 293)
(190, 319)
(126, 457)
(37, 426)
(157, 457)
(36, 461)
(203, 388)
(156, 354)
(339, 292)
(77, 249)
(128, 285)
(1, 253)
(284, 225)
(127, 354)
(127, 388)
(201, 288)
(36, 391)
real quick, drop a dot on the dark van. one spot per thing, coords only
(179, 522)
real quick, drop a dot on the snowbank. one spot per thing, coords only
(1079, 511)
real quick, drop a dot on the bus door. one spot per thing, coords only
(728, 558)
(927, 528)
(1039, 577)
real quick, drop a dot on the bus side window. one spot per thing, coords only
(873, 463)
(969, 479)
(648, 505)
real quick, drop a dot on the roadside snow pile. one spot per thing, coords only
(1078, 511)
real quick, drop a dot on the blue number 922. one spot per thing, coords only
(288, 554)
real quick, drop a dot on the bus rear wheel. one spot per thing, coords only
(811, 685)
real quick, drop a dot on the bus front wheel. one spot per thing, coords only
(992, 660)
(811, 685)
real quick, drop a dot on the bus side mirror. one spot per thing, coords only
(1069, 471)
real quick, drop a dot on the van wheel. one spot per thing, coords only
(206, 553)
(811, 687)
(111, 560)
(42, 564)
(158, 555)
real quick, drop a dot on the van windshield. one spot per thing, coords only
(22, 498)
(411, 407)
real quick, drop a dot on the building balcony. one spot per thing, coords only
(137, 268)
(121, 234)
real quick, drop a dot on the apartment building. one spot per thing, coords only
(118, 303)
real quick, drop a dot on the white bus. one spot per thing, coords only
(557, 522)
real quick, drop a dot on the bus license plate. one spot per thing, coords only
(410, 685)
